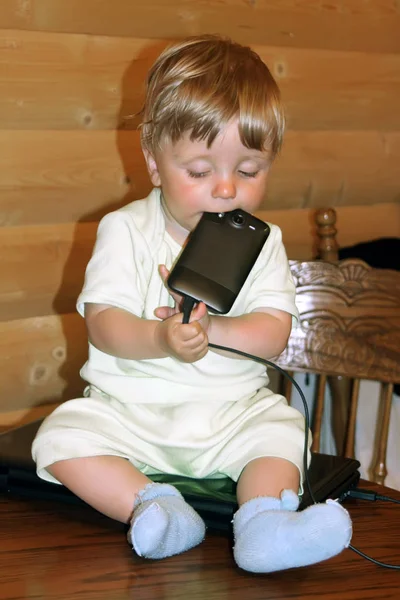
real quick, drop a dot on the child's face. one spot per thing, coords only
(196, 179)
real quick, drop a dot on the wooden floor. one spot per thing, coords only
(57, 551)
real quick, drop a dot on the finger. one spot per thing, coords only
(164, 272)
(197, 344)
(203, 352)
(202, 348)
(191, 330)
(199, 311)
(186, 337)
(164, 312)
(197, 353)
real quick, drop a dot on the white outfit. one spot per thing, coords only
(205, 419)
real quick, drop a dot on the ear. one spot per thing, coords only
(152, 168)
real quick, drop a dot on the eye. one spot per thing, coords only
(248, 174)
(197, 175)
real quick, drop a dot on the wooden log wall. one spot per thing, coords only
(70, 74)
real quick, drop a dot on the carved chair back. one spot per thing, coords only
(350, 327)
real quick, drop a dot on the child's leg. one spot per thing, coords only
(108, 483)
(162, 523)
(269, 534)
(267, 477)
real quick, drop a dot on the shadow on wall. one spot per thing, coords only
(128, 120)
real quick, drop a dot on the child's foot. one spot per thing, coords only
(270, 535)
(163, 524)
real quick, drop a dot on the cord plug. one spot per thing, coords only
(362, 495)
(187, 307)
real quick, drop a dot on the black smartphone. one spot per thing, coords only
(218, 257)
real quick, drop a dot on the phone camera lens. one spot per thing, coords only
(238, 219)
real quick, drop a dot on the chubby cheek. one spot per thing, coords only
(187, 195)
(257, 200)
(255, 195)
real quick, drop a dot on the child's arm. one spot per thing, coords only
(124, 335)
(263, 333)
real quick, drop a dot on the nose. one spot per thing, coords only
(224, 188)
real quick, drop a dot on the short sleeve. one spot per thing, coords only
(272, 284)
(115, 273)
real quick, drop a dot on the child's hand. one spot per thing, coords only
(199, 313)
(186, 341)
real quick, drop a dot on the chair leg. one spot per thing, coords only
(379, 469)
(350, 447)
(340, 391)
(318, 413)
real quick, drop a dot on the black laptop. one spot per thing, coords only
(214, 499)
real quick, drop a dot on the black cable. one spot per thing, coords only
(187, 307)
(369, 495)
(387, 499)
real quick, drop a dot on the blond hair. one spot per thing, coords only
(202, 83)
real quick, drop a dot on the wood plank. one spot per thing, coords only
(354, 224)
(58, 81)
(42, 266)
(336, 25)
(40, 359)
(336, 90)
(67, 176)
(330, 168)
(64, 176)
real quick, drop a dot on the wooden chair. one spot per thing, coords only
(349, 327)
